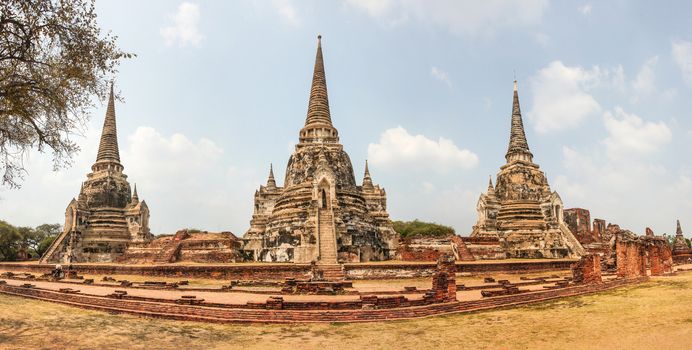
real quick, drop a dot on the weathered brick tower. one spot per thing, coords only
(521, 210)
(320, 214)
(106, 216)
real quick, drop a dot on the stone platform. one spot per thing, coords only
(284, 309)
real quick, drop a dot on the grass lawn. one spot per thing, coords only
(653, 315)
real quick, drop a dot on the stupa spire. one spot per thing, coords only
(108, 147)
(678, 231)
(135, 197)
(318, 123)
(518, 148)
(271, 183)
(367, 180)
(318, 107)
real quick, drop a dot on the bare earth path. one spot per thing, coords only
(653, 315)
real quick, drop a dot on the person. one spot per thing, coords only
(58, 272)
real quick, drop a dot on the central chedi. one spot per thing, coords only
(520, 211)
(320, 214)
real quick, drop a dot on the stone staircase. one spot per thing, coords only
(169, 252)
(332, 272)
(327, 238)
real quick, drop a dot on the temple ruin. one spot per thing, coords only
(107, 215)
(520, 217)
(320, 214)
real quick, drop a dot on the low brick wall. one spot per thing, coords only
(401, 270)
(299, 271)
(682, 258)
(275, 313)
(226, 272)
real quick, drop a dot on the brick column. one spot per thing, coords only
(444, 279)
(655, 260)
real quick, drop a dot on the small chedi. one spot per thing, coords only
(680, 244)
(681, 252)
(320, 214)
(521, 213)
(107, 215)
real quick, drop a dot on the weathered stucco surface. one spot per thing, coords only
(320, 214)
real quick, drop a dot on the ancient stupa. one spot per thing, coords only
(107, 215)
(320, 214)
(680, 244)
(521, 211)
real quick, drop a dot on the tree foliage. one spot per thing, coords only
(416, 228)
(33, 241)
(53, 62)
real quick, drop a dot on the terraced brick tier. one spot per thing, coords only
(281, 271)
(264, 312)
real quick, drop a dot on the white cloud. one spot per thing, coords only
(397, 147)
(682, 55)
(287, 11)
(585, 9)
(440, 75)
(185, 28)
(628, 133)
(645, 81)
(560, 96)
(154, 157)
(459, 17)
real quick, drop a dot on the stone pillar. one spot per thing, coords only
(444, 279)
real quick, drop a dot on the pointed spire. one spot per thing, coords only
(678, 231)
(518, 146)
(271, 183)
(135, 197)
(318, 107)
(367, 180)
(318, 123)
(108, 147)
(490, 183)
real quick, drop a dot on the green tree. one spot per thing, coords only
(35, 240)
(417, 228)
(9, 241)
(53, 62)
(48, 233)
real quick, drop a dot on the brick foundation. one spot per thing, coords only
(372, 308)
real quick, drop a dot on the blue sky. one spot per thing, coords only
(420, 88)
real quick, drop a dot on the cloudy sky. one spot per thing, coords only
(422, 89)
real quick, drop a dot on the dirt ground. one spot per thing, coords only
(653, 315)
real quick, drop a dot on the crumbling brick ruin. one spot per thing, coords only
(186, 246)
(660, 256)
(521, 211)
(106, 216)
(578, 221)
(587, 269)
(631, 261)
(431, 248)
(444, 280)
(320, 214)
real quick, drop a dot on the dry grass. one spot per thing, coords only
(654, 315)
